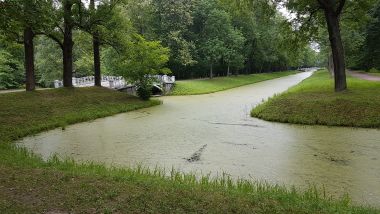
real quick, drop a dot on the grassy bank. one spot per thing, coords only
(30, 185)
(206, 86)
(314, 102)
(23, 114)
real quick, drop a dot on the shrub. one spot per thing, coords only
(144, 90)
(373, 70)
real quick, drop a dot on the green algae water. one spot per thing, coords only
(215, 134)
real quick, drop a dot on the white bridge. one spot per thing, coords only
(162, 82)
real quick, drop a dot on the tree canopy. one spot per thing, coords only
(199, 38)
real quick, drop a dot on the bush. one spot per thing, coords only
(144, 91)
(11, 71)
(373, 70)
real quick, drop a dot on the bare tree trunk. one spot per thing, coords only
(228, 70)
(97, 72)
(67, 60)
(96, 49)
(68, 46)
(337, 50)
(29, 59)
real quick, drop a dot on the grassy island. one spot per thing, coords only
(313, 102)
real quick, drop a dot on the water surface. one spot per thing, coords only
(214, 133)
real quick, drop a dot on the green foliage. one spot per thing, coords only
(11, 71)
(171, 23)
(355, 22)
(140, 61)
(48, 61)
(230, 35)
(373, 70)
(144, 90)
(83, 55)
(372, 40)
(313, 102)
(144, 58)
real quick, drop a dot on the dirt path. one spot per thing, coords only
(364, 76)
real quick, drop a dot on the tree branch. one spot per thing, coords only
(54, 38)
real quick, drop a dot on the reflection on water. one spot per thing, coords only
(214, 133)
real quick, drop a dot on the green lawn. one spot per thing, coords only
(30, 185)
(314, 102)
(206, 86)
(23, 113)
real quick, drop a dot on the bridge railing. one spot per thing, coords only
(114, 82)
(165, 78)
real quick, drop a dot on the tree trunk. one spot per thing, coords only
(96, 49)
(337, 50)
(68, 60)
(29, 59)
(211, 72)
(228, 70)
(68, 46)
(97, 72)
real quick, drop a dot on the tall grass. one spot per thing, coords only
(220, 194)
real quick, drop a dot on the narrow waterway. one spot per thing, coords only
(215, 133)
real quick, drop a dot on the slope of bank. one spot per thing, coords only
(313, 102)
(26, 113)
(206, 86)
(31, 185)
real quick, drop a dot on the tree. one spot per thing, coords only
(233, 54)
(307, 11)
(21, 21)
(48, 61)
(96, 49)
(10, 71)
(213, 49)
(171, 25)
(97, 18)
(65, 18)
(217, 28)
(372, 40)
(140, 61)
